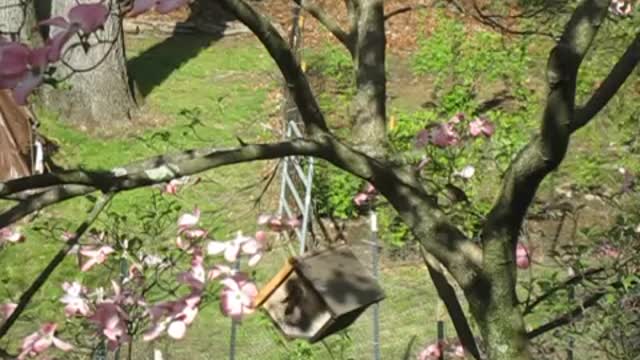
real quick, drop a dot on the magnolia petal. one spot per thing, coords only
(14, 58)
(154, 332)
(88, 264)
(6, 310)
(56, 44)
(188, 220)
(523, 259)
(42, 344)
(219, 270)
(141, 6)
(90, 17)
(261, 237)
(255, 259)
(177, 329)
(166, 6)
(216, 247)
(10, 81)
(62, 345)
(230, 284)
(57, 21)
(264, 219)
(229, 304)
(251, 247)
(231, 252)
(189, 313)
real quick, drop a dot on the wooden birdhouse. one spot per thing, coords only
(318, 294)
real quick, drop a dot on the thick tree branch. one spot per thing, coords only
(279, 50)
(369, 130)
(42, 278)
(447, 293)
(152, 171)
(328, 22)
(545, 152)
(610, 86)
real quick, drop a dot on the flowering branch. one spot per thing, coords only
(26, 297)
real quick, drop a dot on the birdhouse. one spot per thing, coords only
(318, 294)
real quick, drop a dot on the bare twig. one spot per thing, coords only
(328, 22)
(563, 285)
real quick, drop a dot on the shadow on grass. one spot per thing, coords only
(152, 67)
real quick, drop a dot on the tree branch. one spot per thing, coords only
(328, 22)
(567, 318)
(546, 150)
(610, 86)
(26, 297)
(574, 313)
(152, 171)
(403, 10)
(279, 50)
(568, 282)
(447, 293)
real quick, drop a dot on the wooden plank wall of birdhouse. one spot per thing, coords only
(297, 309)
(341, 280)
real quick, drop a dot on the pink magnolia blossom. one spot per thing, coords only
(221, 271)
(431, 352)
(365, 196)
(609, 250)
(481, 126)
(444, 135)
(620, 7)
(279, 223)
(75, 299)
(86, 17)
(456, 119)
(171, 187)
(523, 258)
(253, 246)
(188, 221)
(41, 340)
(8, 234)
(238, 294)
(111, 320)
(95, 256)
(173, 316)
(195, 278)
(6, 310)
(422, 138)
(161, 6)
(22, 69)
(188, 229)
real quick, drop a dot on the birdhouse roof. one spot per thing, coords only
(340, 279)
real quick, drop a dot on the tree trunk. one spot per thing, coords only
(501, 323)
(97, 90)
(18, 21)
(369, 104)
